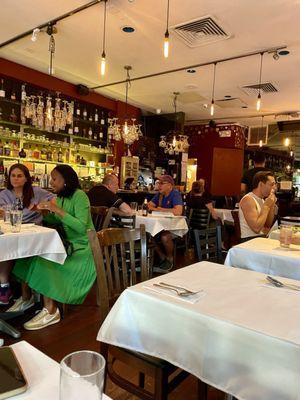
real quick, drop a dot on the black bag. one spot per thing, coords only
(61, 231)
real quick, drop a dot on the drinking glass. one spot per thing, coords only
(82, 376)
(6, 213)
(16, 220)
(134, 206)
(286, 232)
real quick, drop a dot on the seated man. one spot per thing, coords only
(167, 199)
(105, 194)
(257, 208)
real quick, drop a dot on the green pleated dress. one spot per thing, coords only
(68, 283)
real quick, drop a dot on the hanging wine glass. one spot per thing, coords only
(69, 119)
(64, 113)
(57, 114)
(48, 115)
(40, 113)
(32, 111)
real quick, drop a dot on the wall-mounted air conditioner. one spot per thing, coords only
(258, 136)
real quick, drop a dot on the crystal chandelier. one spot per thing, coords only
(174, 142)
(129, 131)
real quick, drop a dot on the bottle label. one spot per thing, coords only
(2, 93)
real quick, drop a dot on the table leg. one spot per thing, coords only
(10, 330)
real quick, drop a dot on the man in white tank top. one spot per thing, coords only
(257, 208)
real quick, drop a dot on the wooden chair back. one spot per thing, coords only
(199, 218)
(208, 244)
(116, 267)
(237, 226)
(101, 216)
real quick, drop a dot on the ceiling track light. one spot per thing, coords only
(103, 55)
(167, 35)
(276, 56)
(212, 104)
(258, 102)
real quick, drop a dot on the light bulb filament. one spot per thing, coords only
(212, 108)
(166, 45)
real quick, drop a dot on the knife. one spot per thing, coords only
(277, 283)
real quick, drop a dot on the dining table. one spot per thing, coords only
(224, 215)
(41, 372)
(237, 332)
(32, 240)
(267, 256)
(158, 222)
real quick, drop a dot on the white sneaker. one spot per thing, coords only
(42, 320)
(21, 305)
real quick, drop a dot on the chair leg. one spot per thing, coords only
(161, 385)
(202, 390)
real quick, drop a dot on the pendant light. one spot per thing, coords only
(166, 40)
(103, 55)
(51, 30)
(260, 143)
(212, 104)
(258, 102)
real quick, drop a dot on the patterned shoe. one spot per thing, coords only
(5, 294)
(42, 320)
(21, 305)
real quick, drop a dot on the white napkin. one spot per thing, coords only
(273, 228)
(193, 298)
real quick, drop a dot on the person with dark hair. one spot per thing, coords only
(199, 198)
(68, 283)
(105, 194)
(257, 208)
(259, 160)
(19, 194)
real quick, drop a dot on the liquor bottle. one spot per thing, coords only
(22, 153)
(145, 208)
(13, 117)
(70, 130)
(78, 111)
(36, 153)
(43, 153)
(95, 136)
(84, 114)
(100, 134)
(2, 91)
(76, 129)
(54, 155)
(60, 156)
(90, 133)
(96, 117)
(23, 93)
(49, 154)
(77, 157)
(102, 121)
(90, 118)
(15, 150)
(29, 152)
(84, 133)
(1, 148)
(7, 149)
(1, 113)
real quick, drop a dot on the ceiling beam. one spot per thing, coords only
(51, 22)
(171, 71)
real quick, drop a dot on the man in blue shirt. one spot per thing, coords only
(167, 199)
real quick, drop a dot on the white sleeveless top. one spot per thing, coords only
(246, 231)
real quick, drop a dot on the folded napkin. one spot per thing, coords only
(192, 298)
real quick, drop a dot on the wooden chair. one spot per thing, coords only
(237, 227)
(199, 218)
(101, 216)
(208, 244)
(115, 275)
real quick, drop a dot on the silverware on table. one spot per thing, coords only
(280, 284)
(181, 291)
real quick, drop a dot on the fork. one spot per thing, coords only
(179, 290)
(280, 284)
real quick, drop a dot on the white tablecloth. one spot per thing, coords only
(242, 336)
(266, 255)
(275, 234)
(224, 214)
(33, 240)
(41, 372)
(156, 224)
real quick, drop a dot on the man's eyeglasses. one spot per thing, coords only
(162, 183)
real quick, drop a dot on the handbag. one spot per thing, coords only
(69, 247)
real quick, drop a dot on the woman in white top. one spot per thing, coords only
(257, 208)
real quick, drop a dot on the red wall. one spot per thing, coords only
(203, 140)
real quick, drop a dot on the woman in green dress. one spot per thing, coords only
(68, 283)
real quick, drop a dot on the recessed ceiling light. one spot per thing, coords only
(283, 52)
(191, 71)
(227, 96)
(244, 106)
(128, 29)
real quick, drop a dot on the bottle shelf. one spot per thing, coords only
(10, 101)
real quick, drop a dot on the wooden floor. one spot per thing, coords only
(78, 330)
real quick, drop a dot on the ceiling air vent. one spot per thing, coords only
(266, 88)
(258, 135)
(200, 31)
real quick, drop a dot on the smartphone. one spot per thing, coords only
(12, 379)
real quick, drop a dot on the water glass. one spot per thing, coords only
(15, 220)
(286, 232)
(82, 376)
(6, 213)
(134, 206)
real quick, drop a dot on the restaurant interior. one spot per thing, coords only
(149, 199)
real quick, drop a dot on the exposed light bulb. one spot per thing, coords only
(35, 33)
(212, 108)
(260, 143)
(258, 103)
(125, 128)
(166, 45)
(102, 64)
(286, 142)
(174, 141)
